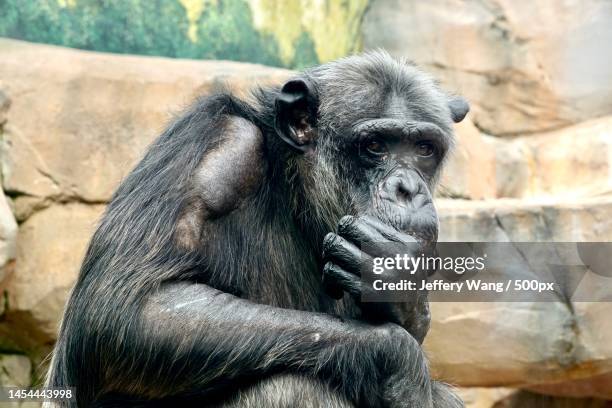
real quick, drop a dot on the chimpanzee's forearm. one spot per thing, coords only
(191, 337)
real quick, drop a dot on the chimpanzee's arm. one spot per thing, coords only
(191, 338)
(199, 338)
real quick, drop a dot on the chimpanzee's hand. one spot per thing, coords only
(345, 261)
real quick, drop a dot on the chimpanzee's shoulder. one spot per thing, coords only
(228, 174)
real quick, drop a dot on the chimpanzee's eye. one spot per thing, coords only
(376, 147)
(425, 148)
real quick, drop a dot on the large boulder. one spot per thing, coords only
(535, 220)
(538, 344)
(51, 246)
(525, 66)
(546, 346)
(560, 164)
(565, 163)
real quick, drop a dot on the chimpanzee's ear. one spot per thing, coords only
(296, 113)
(459, 107)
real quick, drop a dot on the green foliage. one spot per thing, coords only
(120, 26)
(148, 27)
(227, 32)
(305, 55)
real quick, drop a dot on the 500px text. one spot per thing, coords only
(519, 285)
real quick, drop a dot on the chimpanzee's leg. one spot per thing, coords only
(288, 391)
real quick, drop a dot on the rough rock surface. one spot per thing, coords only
(597, 386)
(525, 66)
(15, 370)
(508, 398)
(525, 399)
(470, 171)
(574, 161)
(562, 164)
(538, 220)
(52, 243)
(519, 343)
(483, 397)
(570, 162)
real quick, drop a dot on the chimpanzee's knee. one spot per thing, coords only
(287, 391)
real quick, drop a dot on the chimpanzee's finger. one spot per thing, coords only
(345, 254)
(330, 286)
(356, 230)
(387, 231)
(377, 238)
(349, 282)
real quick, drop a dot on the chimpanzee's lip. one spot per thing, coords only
(411, 221)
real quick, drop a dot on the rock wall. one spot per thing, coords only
(77, 122)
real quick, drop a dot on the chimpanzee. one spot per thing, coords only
(217, 273)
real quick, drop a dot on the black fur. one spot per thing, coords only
(243, 319)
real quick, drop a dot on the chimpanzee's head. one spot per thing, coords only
(370, 134)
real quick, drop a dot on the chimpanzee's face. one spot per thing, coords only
(397, 159)
(373, 133)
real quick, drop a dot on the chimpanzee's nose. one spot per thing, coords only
(404, 188)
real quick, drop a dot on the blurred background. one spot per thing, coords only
(85, 85)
